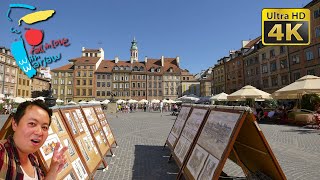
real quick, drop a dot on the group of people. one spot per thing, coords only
(7, 108)
(30, 125)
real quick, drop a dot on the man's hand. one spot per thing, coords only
(58, 160)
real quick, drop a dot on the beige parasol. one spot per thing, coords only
(248, 92)
(306, 85)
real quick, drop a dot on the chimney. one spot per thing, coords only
(116, 59)
(162, 61)
(178, 61)
(83, 54)
(146, 59)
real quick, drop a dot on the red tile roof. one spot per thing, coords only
(85, 60)
(91, 50)
(64, 68)
(252, 42)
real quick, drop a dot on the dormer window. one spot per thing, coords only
(170, 69)
(116, 68)
(86, 60)
(135, 68)
(158, 70)
(141, 68)
(121, 67)
(152, 69)
(127, 68)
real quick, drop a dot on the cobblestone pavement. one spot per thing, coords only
(140, 155)
(141, 136)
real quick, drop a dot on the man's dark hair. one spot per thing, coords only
(21, 110)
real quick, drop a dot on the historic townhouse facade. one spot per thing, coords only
(8, 73)
(306, 59)
(205, 82)
(96, 78)
(103, 76)
(234, 72)
(171, 77)
(274, 67)
(23, 85)
(189, 84)
(63, 82)
(218, 76)
(39, 82)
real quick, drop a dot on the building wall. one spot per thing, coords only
(63, 85)
(274, 68)
(218, 78)
(171, 83)
(8, 73)
(190, 88)
(252, 72)
(84, 82)
(103, 86)
(234, 74)
(121, 84)
(138, 85)
(23, 85)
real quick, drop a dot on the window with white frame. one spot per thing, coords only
(62, 91)
(69, 92)
(309, 55)
(264, 68)
(115, 85)
(295, 59)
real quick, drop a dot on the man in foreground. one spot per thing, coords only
(30, 125)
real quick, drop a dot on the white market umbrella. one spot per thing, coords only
(19, 100)
(2, 96)
(142, 101)
(72, 103)
(105, 101)
(220, 97)
(120, 101)
(170, 101)
(59, 101)
(308, 84)
(94, 102)
(132, 101)
(248, 92)
(40, 97)
(155, 101)
(83, 102)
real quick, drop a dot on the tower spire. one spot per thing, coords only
(134, 51)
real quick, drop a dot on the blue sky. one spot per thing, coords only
(200, 32)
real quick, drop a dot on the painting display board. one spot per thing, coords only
(188, 134)
(82, 138)
(105, 125)
(96, 130)
(234, 134)
(59, 133)
(177, 127)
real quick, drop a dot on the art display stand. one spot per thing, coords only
(81, 130)
(102, 119)
(177, 127)
(226, 132)
(188, 134)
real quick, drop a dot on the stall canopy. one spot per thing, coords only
(220, 97)
(308, 84)
(248, 92)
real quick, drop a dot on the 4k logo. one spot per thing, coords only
(286, 26)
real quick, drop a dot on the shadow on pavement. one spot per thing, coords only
(302, 131)
(151, 162)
